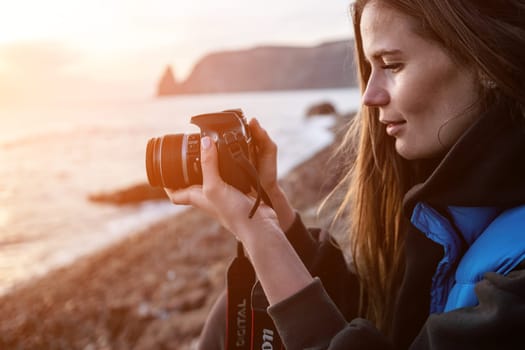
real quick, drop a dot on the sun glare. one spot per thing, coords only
(3, 66)
(4, 216)
(35, 20)
(25, 20)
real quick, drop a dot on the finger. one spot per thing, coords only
(262, 139)
(257, 131)
(192, 195)
(186, 196)
(211, 178)
(181, 197)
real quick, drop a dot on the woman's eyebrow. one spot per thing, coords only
(386, 52)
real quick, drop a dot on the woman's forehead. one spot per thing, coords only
(384, 29)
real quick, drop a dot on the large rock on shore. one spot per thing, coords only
(321, 108)
(151, 290)
(131, 195)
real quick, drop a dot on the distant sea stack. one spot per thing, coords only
(167, 84)
(266, 68)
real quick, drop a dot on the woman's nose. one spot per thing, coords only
(375, 95)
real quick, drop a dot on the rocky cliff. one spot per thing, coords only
(329, 65)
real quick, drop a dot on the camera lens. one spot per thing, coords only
(173, 161)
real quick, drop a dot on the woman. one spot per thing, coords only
(436, 194)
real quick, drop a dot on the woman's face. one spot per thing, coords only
(423, 96)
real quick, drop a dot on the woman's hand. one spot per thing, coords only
(266, 162)
(266, 165)
(220, 200)
(261, 235)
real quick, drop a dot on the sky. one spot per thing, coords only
(74, 50)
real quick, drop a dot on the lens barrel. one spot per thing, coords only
(173, 161)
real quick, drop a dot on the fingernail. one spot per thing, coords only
(205, 142)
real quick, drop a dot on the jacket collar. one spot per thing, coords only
(485, 168)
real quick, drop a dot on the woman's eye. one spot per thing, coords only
(394, 67)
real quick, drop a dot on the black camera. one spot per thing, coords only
(173, 161)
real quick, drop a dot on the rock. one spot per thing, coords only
(192, 300)
(167, 84)
(322, 108)
(132, 195)
(116, 318)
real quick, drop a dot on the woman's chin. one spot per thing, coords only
(410, 152)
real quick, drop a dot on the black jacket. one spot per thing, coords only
(486, 167)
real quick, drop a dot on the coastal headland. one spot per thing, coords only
(266, 68)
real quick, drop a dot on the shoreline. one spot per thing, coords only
(153, 288)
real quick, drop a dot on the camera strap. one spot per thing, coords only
(249, 170)
(248, 324)
(240, 279)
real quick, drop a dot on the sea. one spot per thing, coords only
(52, 157)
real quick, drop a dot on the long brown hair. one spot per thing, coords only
(487, 35)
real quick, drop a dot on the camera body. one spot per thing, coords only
(173, 161)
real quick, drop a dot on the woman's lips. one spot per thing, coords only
(394, 128)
